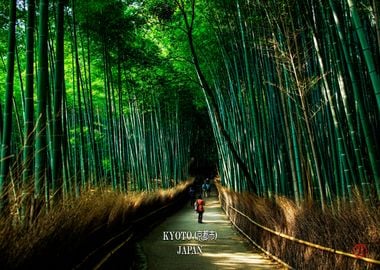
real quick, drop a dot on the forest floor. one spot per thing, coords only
(170, 245)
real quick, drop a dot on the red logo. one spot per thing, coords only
(360, 250)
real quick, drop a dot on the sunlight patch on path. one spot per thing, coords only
(239, 260)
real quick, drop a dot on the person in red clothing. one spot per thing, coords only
(199, 207)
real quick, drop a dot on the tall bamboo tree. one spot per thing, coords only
(42, 93)
(373, 73)
(5, 157)
(57, 177)
(363, 117)
(28, 156)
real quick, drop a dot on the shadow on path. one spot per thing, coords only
(159, 250)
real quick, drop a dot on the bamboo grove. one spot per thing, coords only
(102, 94)
(76, 111)
(293, 91)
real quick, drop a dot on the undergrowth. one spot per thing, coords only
(62, 237)
(341, 227)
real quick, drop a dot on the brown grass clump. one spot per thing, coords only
(67, 233)
(340, 227)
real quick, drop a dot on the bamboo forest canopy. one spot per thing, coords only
(283, 96)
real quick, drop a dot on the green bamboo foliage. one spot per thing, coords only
(363, 119)
(209, 94)
(157, 148)
(5, 157)
(79, 134)
(1, 123)
(352, 130)
(373, 73)
(293, 110)
(298, 121)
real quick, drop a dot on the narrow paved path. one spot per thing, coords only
(221, 247)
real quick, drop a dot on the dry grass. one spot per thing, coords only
(62, 237)
(341, 229)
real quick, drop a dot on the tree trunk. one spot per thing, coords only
(5, 156)
(42, 93)
(28, 156)
(57, 177)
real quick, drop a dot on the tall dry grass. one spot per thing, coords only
(340, 227)
(62, 237)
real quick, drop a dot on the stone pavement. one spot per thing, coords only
(180, 242)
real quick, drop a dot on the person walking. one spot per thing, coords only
(199, 207)
(206, 188)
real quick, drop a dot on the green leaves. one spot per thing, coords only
(163, 10)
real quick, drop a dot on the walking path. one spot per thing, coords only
(180, 242)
